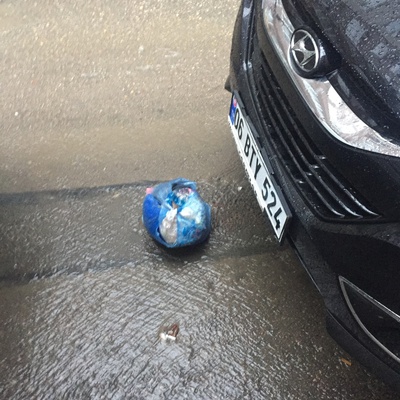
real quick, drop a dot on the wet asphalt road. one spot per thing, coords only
(99, 100)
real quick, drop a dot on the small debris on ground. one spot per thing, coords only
(169, 332)
(345, 361)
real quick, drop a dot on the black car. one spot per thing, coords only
(315, 114)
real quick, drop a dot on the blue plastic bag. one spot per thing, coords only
(175, 215)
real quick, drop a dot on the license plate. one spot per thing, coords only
(267, 191)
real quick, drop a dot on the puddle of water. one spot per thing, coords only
(88, 326)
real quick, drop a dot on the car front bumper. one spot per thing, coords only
(352, 262)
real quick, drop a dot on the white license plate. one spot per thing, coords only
(267, 192)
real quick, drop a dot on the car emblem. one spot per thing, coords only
(304, 52)
(312, 56)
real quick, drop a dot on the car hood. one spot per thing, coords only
(367, 35)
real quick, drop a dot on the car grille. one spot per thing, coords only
(324, 189)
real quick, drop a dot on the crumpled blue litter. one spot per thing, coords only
(175, 215)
